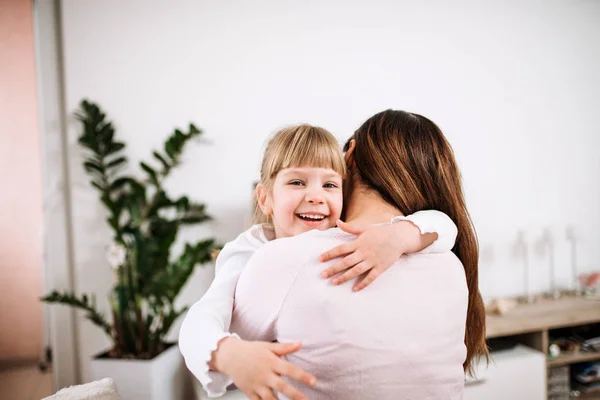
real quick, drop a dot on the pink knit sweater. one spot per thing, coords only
(400, 338)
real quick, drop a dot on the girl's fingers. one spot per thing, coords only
(283, 349)
(367, 280)
(266, 393)
(287, 389)
(352, 273)
(347, 262)
(354, 230)
(338, 251)
(285, 368)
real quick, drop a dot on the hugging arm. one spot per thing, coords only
(378, 247)
(207, 323)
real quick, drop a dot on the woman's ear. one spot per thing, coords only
(349, 157)
(263, 199)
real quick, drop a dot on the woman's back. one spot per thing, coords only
(401, 338)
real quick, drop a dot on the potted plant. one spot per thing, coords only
(145, 222)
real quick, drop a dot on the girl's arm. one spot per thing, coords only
(208, 347)
(378, 247)
(430, 222)
(208, 321)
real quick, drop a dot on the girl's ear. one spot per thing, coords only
(263, 199)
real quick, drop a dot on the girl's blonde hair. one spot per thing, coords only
(297, 146)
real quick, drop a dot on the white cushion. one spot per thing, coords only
(104, 389)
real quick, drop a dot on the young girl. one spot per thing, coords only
(300, 190)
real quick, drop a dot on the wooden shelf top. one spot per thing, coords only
(542, 315)
(571, 358)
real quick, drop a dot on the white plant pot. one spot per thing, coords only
(165, 377)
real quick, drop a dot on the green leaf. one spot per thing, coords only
(113, 222)
(193, 130)
(105, 199)
(68, 298)
(85, 141)
(160, 200)
(118, 161)
(170, 149)
(150, 171)
(115, 147)
(93, 167)
(160, 158)
(194, 219)
(107, 132)
(97, 186)
(119, 183)
(183, 203)
(139, 191)
(197, 208)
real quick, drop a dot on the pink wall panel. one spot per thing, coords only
(21, 216)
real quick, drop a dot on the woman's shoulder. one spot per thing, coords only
(305, 243)
(442, 264)
(445, 257)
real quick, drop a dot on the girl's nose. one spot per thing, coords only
(315, 197)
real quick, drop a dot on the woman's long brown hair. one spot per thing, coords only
(408, 161)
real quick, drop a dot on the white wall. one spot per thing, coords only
(513, 84)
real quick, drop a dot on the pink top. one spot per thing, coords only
(400, 338)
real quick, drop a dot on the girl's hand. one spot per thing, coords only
(256, 368)
(375, 250)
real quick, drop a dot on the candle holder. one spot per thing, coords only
(554, 293)
(521, 251)
(576, 289)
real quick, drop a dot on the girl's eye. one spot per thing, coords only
(330, 185)
(296, 183)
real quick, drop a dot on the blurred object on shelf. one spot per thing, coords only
(567, 345)
(501, 306)
(587, 372)
(592, 344)
(576, 287)
(554, 350)
(590, 284)
(586, 379)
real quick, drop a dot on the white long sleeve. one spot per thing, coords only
(429, 221)
(208, 321)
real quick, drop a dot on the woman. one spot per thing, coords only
(399, 163)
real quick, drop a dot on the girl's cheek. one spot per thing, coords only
(337, 212)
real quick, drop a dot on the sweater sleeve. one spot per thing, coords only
(429, 221)
(209, 319)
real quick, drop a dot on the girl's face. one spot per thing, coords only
(303, 199)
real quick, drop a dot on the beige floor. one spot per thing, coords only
(25, 383)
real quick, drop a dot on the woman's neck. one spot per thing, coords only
(366, 207)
